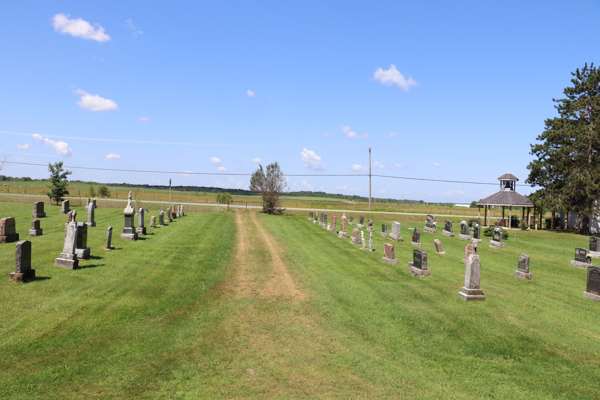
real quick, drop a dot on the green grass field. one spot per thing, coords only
(244, 305)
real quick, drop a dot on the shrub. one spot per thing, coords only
(489, 231)
(524, 226)
(472, 222)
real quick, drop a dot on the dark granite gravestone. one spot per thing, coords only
(448, 229)
(416, 237)
(82, 251)
(23, 272)
(497, 241)
(581, 258)
(361, 222)
(419, 265)
(476, 232)
(108, 241)
(523, 267)
(430, 224)
(35, 228)
(64, 209)
(129, 231)
(38, 210)
(593, 244)
(8, 230)
(370, 225)
(384, 230)
(593, 284)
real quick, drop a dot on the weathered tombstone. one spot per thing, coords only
(439, 248)
(141, 229)
(182, 212)
(464, 231)
(168, 215)
(310, 215)
(361, 222)
(593, 284)
(389, 254)
(91, 202)
(395, 235)
(129, 232)
(91, 222)
(153, 222)
(325, 221)
(343, 226)
(35, 228)
(23, 272)
(384, 231)
(430, 224)
(351, 220)
(523, 267)
(497, 241)
(370, 241)
(38, 210)
(419, 265)
(416, 237)
(178, 211)
(355, 236)
(363, 242)
(68, 258)
(8, 230)
(172, 211)
(64, 209)
(370, 225)
(448, 229)
(581, 258)
(333, 227)
(476, 233)
(472, 289)
(594, 247)
(469, 249)
(108, 241)
(82, 251)
(161, 218)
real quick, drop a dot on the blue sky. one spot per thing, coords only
(443, 90)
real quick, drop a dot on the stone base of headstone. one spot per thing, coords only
(128, 236)
(343, 235)
(161, 224)
(389, 260)
(109, 248)
(36, 232)
(315, 221)
(355, 240)
(370, 229)
(496, 245)
(140, 230)
(90, 224)
(594, 254)
(430, 230)
(9, 238)
(449, 234)
(64, 211)
(333, 230)
(464, 237)
(395, 238)
(384, 234)
(417, 272)
(580, 264)
(415, 244)
(440, 252)
(83, 253)
(65, 260)
(322, 225)
(476, 241)
(38, 215)
(591, 296)
(360, 226)
(22, 277)
(523, 275)
(470, 294)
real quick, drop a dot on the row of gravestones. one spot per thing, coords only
(472, 290)
(75, 238)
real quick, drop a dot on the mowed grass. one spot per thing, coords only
(170, 317)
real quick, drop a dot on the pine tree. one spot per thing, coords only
(58, 182)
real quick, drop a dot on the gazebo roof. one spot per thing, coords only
(508, 177)
(506, 198)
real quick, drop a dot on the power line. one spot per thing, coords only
(235, 174)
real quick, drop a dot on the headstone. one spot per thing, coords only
(593, 284)
(522, 271)
(361, 222)
(178, 211)
(129, 232)
(168, 217)
(469, 249)
(384, 230)
(389, 254)
(182, 212)
(333, 227)
(82, 251)
(310, 215)
(23, 272)
(35, 228)
(472, 289)
(363, 242)
(370, 241)
(91, 202)
(38, 210)
(395, 235)
(464, 231)
(448, 229)
(476, 233)
(64, 209)
(370, 225)
(581, 258)
(343, 226)
(430, 224)
(594, 247)
(91, 222)
(497, 241)
(68, 258)
(439, 248)
(173, 211)
(8, 230)
(355, 236)
(108, 241)
(419, 265)
(416, 237)
(153, 222)
(141, 229)
(351, 220)
(161, 218)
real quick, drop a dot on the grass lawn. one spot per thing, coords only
(244, 305)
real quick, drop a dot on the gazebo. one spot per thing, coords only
(507, 197)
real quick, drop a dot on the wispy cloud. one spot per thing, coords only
(358, 167)
(352, 134)
(327, 134)
(215, 160)
(112, 156)
(222, 169)
(188, 174)
(453, 192)
(79, 28)
(311, 160)
(144, 119)
(219, 183)
(378, 165)
(251, 93)
(256, 160)
(23, 146)
(383, 191)
(436, 164)
(135, 31)
(307, 185)
(95, 102)
(61, 148)
(392, 76)
(390, 135)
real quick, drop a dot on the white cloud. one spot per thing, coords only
(135, 31)
(377, 165)
(144, 119)
(311, 160)
(436, 164)
(308, 185)
(112, 156)
(250, 93)
(383, 191)
(188, 174)
(256, 160)
(23, 146)
(79, 28)
(95, 102)
(231, 179)
(399, 166)
(155, 181)
(358, 167)
(390, 135)
(452, 192)
(215, 160)
(329, 134)
(392, 76)
(239, 184)
(342, 187)
(351, 135)
(61, 148)
(222, 169)
(219, 183)
(365, 136)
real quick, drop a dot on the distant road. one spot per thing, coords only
(259, 207)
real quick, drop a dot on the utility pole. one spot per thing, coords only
(369, 178)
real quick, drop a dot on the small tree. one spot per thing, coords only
(103, 191)
(92, 192)
(58, 182)
(270, 185)
(224, 198)
(473, 204)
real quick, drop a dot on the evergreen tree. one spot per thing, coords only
(567, 167)
(58, 182)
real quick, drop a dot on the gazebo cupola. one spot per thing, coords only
(508, 182)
